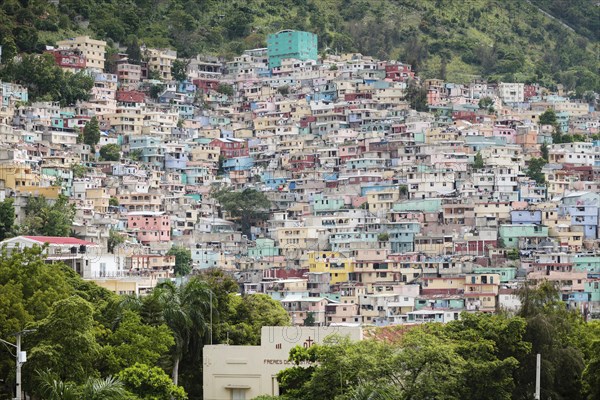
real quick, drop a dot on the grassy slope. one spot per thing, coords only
(455, 39)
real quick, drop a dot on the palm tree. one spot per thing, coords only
(103, 389)
(187, 311)
(51, 388)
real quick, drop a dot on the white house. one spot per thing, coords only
(84, 257)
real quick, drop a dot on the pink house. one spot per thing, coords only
(505, 132)
(149, 226)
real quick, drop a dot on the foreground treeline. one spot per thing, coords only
(92, 344)
(479, 357)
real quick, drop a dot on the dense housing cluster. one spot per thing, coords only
(365, 195)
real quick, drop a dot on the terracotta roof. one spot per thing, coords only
(60, 240)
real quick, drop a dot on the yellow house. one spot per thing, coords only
(99, 197)
(481, 292)
(15, 176)
(444, 285)
(161, 60)
(338, 267)
(382, 201)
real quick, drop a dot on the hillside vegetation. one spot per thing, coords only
(510, 40)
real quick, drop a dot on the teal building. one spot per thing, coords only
(291, 44)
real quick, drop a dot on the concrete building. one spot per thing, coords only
(511, 92)
(161, 61)
(93, 50)
(291, 44)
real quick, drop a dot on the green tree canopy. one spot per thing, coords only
(51, 387)
(179, 70)
(553, 332)
(91, 133)
(183, 259)
(473, 358)
(46, 218)
(548, 117)
(45, 81)
(248, 205)
(534, 170)
(248, 314)
(478, 162)
(111, 152)
(150, 383)
(416, 97)
(132, 342)
(7, 218)
(225, 89)
(64, 342)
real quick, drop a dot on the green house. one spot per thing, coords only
(511, 235)
(291, 44)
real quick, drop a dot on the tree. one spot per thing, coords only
(186, 310)
(76, 87)
(548, 117)
(183, 259)
(487, 103)
(179, 70)
(478, 162)
(114, 239)
(248, 206)
(534, 170)
(150, 383)
(91, 133)
(248, 314)
(544, 151)
(283, 90)
(26, 296)
(52, 388)
(416, 97)
(132, 342)
(111, 152)
(551, 330)
(513, 254)
(383, 237)
(310, 319)
(154, 74)
(113, 201)
(591, 374)
(46, 81)
(136, 154)
(472, 358)
(225, 89)
(156, 90)
(403, 191)
(7, 218)
(79, 170)
(133, 51)
(64, 342)
(43, 218)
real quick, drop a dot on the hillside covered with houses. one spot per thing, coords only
(349, 189)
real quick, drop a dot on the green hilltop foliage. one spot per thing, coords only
(456, 40)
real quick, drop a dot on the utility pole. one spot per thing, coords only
(538, 368)
(21, 358)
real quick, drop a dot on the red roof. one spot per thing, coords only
(60, 240)
(132, 96)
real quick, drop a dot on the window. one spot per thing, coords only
(238, 394)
